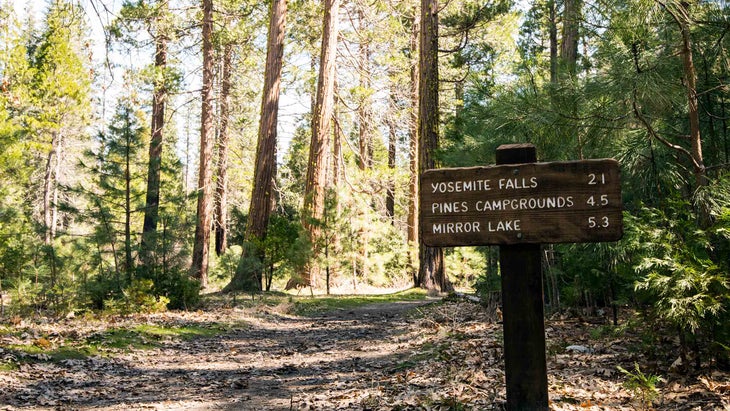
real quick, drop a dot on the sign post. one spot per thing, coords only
(520, 204)
(525, 365)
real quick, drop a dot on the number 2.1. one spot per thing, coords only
(594, 179)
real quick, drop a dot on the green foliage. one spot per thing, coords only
(182, 291)
(117, 193)
(284, 251)
(310, 306)
(643, 386)
(138, 297)
(688, 289)
(285, 247)
(629, 88)
(140, 337)
(465, 265)
(226, 264)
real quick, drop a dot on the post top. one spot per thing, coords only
(515, 146)
(516, 153)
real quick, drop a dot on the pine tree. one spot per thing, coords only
(319, 150)
(201, 248)
(117, 168)
(431, 273)
(264, 173)
(59, 96)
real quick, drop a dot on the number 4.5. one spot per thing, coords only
(603, 200)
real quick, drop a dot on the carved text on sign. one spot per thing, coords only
(573, 201)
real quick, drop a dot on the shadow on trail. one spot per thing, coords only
(270, 365)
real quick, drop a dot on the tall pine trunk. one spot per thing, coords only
(567, 66)
(319, 149)
(392, 140)
(201, 247)
(553, 29)
(569, 44)
(683, 19)
(412, 220)
(128, 262)
(50, 189)
(152, 199)
(690, 78)
(337, 160)
(264, 172)
(221, 188)
(680, 14)
(365, 108)
(431, 274)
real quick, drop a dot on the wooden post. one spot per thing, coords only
(524, 326)
(520, 204)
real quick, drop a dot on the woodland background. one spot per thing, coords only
(140, 164)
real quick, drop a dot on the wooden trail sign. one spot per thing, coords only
(518, 205)
(558, 202)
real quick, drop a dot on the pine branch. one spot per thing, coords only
(652, 132)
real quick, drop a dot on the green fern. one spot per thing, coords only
(642, 386)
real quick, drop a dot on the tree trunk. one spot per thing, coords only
(319, 149)
(221, 204)
(364, 110)
(49, 183)
(152, 199)
(690, 78)
(431, 273)
(392, 140)
(569, 45)
(128, 264)
(337, 162)
(57, 179)
(261, 198)
(680, 14)
(201, 247)
(566, 68)
(723, 116)
(338, 170)
(553, 43)
(412, 222)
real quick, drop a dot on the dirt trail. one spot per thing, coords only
(376, 357)
(277, 362)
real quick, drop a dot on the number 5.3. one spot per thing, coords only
(602, 222)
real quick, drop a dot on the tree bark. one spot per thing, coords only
(337, 162)
(49, 183)
(152, 198)
(201, 247)
(682, 17)
(57, 179)
(319, 149)
(690, 77)
(264, 172)
(569, 45)
(365, 108)
(412, 222)
(128, 262)
(567, 66)
(392, 140)
(431, 273)
(221, 189)
(553, 42)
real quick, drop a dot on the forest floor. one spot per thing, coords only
(406, 355)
